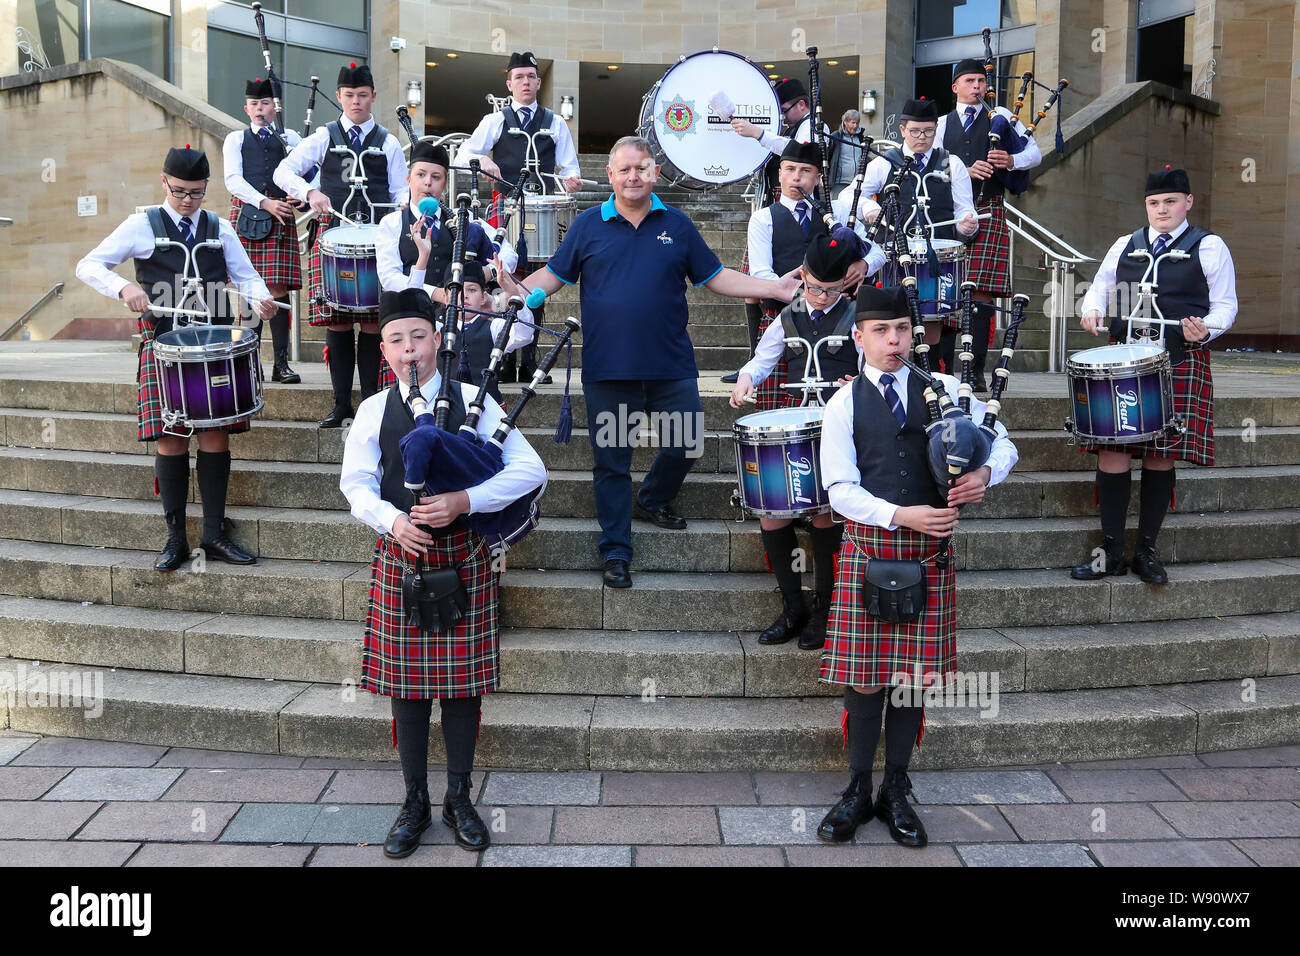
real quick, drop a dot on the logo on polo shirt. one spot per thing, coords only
(666, 239)
(679, 116)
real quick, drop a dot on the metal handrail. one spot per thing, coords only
(1071, 255)
(55, 292)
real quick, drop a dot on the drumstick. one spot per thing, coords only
(949, 222)
(344, 218)
(243, 295)
(176, 311)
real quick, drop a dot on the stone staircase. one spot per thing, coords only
(666, 675)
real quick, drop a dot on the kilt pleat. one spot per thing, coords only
(1194, 400)
(770, 394)
(397, 661)
(275, 258)
(149, 396)
(989, 252)
(863, 651)
(316, 308)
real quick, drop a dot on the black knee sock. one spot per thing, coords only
(368, 363)
(753, 318)
(1154, 495)
(1112, 502)
(412, 719)
(779, 545)
(173, 474)
(826, 541)
(460, 718)
(280, 334)
(213, 472)
(342, 355)
(981, 321)
(864, 729)
(901, 727)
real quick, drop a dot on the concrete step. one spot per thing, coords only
(676, 664)
(705, 496)
(570, 732)
(338, 590)
(570, 544)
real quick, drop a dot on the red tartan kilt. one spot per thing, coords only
(988, 255)
(317, 314)
(863, 651)
(1194, 400)
(397, 661)
(149, 399)
(274, 258)
(769, 394)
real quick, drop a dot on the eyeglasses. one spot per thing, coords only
(187, 193)
(921, 133)
(818, 290)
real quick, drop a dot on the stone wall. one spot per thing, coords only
(96, 128)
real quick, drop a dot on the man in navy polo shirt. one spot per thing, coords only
(634, 256)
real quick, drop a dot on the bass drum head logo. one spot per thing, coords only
(679, 116)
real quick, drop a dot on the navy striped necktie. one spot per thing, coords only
(891, 396)
(1162, 243)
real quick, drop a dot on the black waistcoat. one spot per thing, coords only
(439, 255)
(397, 421)
(511, 150)
(374, 167)
(1183, 289)
(893, 462)
(837, 361)
(941, 208)
(477, 342)
(260, 160)
(789, 244)
(160, 275)
(971, 147)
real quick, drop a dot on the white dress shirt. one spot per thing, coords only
(775, 143)
(1027, 158)
(232, 157)
(771, 347)
(488, 133)
(839, 460)
(523, 470)
(389, 259)
(133, 239)
(880, 169)
(759, 236)
(1216, 263)
(313, 150)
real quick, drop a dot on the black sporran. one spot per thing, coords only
(435, 599)
(254, 223)
(895, 590)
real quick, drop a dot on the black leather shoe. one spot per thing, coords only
(1146, 564)
(731, 379)
(616, 573)
(1112, 565)
(459, 814)
(175, 552)
(813, 635)
(281, 372)
(853, 810)
(790, 623)
(978, 385)
(664, 517)
(222, 548)
(892, 807)
(414, 819)
(336, 418)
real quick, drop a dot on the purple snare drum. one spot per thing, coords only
(208, 376)
(778, 462)
(349, 270)
(940, 293)
(1120, 394)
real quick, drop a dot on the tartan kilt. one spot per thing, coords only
(397, 661)
(316, 311)
(862, 651)
(387, 378)
(1194, 400)
(769, 393)
(274, 258)
(988, 255)
(149, 400)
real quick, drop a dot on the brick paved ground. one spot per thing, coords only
(92, 803)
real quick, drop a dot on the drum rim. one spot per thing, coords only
(202, 353)
(1154, 361)
(215, 422)
(343, 249)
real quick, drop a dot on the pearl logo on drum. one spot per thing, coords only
(800, 468)
(1124, 401)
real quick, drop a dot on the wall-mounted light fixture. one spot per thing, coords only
(869, 103)
(414, 93)
(566, 106)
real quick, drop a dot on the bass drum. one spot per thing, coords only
(696, 147)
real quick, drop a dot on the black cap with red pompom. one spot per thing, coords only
(353, 75)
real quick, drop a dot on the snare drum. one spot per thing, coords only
(208, 376)
(696, 147)
(349, 270)
(1121, 394)
(778, 462)
(549, 218)
(938, 293)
